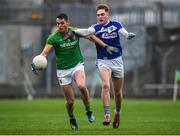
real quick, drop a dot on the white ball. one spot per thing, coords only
(40, 62)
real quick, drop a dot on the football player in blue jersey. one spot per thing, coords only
(110, 65)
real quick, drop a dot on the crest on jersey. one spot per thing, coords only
(111, 29)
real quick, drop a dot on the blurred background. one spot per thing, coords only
(151, 59)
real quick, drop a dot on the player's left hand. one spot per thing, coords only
(34, 70)
(111, 49)
(130, 35)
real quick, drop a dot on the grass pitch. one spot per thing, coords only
(49, 117)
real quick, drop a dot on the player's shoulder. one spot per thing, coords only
(53, 34)
(96, 26)
(116, 23)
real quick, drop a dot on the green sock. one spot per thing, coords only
(71, 116)
(87, 107)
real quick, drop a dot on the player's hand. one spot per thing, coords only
(111, 49)
(130, 36)
(34, 70)
(69, 34)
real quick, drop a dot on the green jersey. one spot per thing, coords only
(68, 53)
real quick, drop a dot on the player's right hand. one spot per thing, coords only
(33, 69)
(69, 34)
(111, 49)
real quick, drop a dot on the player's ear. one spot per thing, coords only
(68, 23)
(107, 14)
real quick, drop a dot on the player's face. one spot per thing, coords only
(102, 16)
(62, 24)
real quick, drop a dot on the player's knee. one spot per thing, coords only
(82, 87)
(106, 87)
(70, 102)
(118, 94)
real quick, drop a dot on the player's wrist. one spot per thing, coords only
(130, 35)
(105, 46)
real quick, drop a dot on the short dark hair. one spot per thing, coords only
(102, 6)
(62, 16)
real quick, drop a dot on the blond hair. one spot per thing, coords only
(102, 6)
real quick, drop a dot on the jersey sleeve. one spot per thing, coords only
(93, 28)
(50, 41)
(84, 32)
(49, 45)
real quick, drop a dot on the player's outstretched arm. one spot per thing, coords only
(128, 35)
(108, 48)
(84, 31)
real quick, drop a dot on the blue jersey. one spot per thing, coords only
(108, 34)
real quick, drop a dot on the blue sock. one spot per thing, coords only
(118, 109)
(106, 110)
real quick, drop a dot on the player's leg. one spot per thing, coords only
(105, 75)
(69, 96)
(118, 81)
(65, 80)
(80, 79)
(118, 96)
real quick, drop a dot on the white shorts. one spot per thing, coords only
(115, 65)
(66, 76)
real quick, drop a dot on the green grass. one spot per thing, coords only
(48, 117)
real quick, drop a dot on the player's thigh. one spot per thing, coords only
(104, 71)
(80, 78)
(68, 92)
(78, 75)
(105, 75)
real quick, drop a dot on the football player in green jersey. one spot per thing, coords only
(69, 64)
